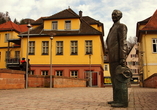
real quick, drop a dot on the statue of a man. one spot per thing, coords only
(117, 52)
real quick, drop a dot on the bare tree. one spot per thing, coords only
(131, 41)
(4, 17)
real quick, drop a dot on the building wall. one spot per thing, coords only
(75, 24)
(149, 62)
(4, 47)
(107, 76)
(66, 58)
(133, 63)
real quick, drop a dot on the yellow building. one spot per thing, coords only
(10, 43)
(77, 46)
(107, 76)
(147, 38)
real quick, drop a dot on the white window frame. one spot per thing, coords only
(31, 47)
(154, 45)
(59, 47)
(74, 73)
(31, 72)
(74, 47)
(54, 25)
(59, 73)
(88, 47)
(44, 72)
(67, 25)
(45, 47)
(106, 67)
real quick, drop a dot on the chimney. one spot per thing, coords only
(80, 14)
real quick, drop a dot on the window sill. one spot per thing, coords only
(73, 54)
(44, 53)
(59, 54)
(31, 54)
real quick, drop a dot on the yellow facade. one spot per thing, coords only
(3, 41)
(75, 24)
(149, 63)
(4, 47)
(66, 58)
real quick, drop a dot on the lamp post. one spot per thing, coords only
(29, 26)
(51, 38)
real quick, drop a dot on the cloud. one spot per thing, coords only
(133, 10)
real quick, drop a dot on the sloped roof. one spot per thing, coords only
(91, 20)
(12, 26)
(38, 21)
(67, 13)
(152, 23)
(144, 21)
(85, 29)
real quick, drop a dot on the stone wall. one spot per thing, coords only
(59, 82)
(14, 79)
(38, 81)
(11, 79)
(151, 81)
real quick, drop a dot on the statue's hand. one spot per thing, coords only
(122, 62)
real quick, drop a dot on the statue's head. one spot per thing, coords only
(116, 15)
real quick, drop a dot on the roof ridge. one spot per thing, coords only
(71, 11)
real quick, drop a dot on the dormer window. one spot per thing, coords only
(54, 25)
(67, 25)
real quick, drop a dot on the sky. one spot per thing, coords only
(133, 10)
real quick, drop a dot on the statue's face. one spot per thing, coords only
(115, 16)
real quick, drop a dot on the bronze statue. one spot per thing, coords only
(117, 51)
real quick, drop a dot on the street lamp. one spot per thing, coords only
(51, 38)
(29, 26)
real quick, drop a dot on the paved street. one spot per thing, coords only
(74, 99)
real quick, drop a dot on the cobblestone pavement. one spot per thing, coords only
(74, 99)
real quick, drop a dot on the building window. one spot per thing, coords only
(67, 25)
(31, 47)
(45, 47)
(17, 54)
(106, 68)
(59, 46)
(54, 25)
(74, 48)
(74, 74)
(154, 42)
(45, 72)
(59, 73)
(88, 46)
(7, 35)
(31, 72)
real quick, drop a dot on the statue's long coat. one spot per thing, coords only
(117, 50)
(116, 42)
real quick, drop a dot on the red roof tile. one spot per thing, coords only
(152, 23)
(12, 26)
